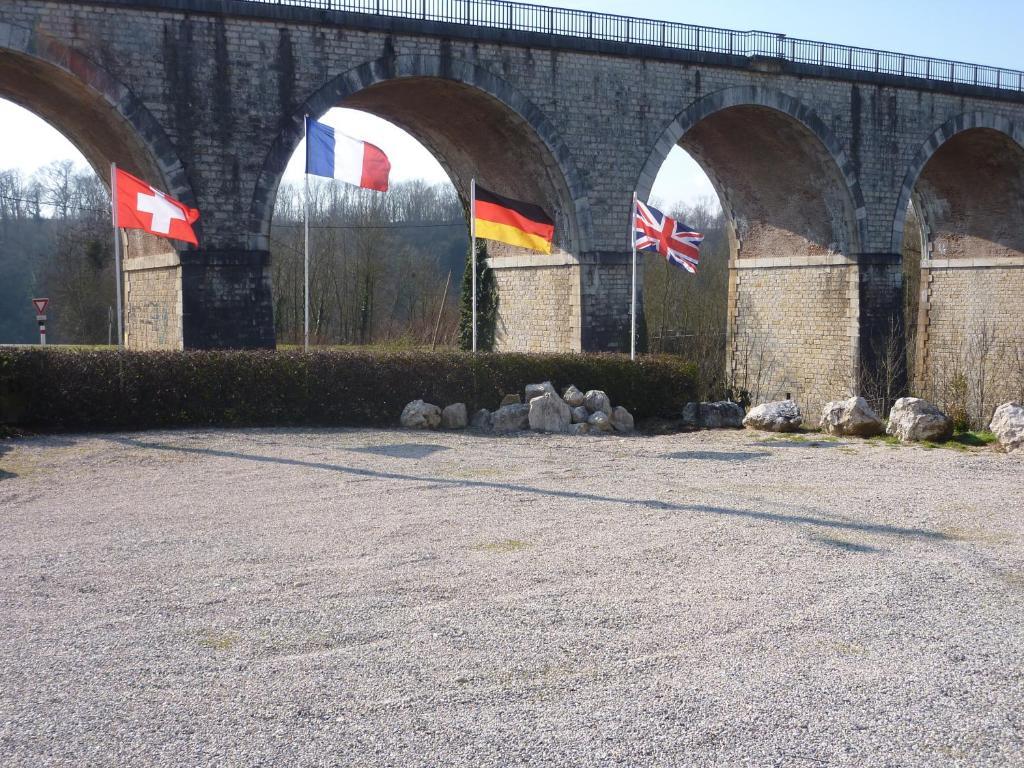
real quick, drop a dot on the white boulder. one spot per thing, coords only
(596, 400)
(573, 396)
(420, 415)
(621, 419)
(718, 415)
(511, 418)
(454, 417)
(481, 420)
(536, 390)
(1008, 425)
(913, 419)
(853, 417)
(599, 422)
(779, 416)
(549, 413)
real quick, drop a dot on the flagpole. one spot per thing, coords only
(632, 310)
(117, 252)
(305, 216)
(472, 229)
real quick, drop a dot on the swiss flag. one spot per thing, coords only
(140, 206)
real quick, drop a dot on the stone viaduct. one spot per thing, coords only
(817, 153)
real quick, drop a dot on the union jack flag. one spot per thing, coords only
(654, 231)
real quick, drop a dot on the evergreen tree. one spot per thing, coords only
(486, 303)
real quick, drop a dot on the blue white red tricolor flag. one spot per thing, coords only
(654, 231)
(332, 154)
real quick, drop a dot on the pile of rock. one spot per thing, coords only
(544, 410)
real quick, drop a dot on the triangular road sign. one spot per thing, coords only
(40, 305)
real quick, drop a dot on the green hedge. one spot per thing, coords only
(107, 390)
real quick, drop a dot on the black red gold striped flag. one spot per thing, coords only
(512, 221)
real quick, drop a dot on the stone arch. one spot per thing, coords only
(527, 158)
(99, 114)
(966, 183)
(969, 136)
(814, 144)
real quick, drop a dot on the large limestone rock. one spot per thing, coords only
(599, 422)
(779, 416)
(853, 417)
(481, 420)
(621, 419)
(719, 415)
(913, 419)
(511, 418)
(536, 390)
(454, 416)
(596, 400)
(1008, 425)
(549, 413)
(573, 396)
(421, 415)
(512, 399)
(580, 414)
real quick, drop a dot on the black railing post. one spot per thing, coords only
(551, 21)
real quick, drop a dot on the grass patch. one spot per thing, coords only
(219, 641)
(962, 441)
(502, 547)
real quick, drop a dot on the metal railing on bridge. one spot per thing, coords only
(526, 17)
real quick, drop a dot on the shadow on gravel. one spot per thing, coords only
(718, 455)
(402, 450)
(4, 474)
(749, 514)
(845, 546)
(800, 443)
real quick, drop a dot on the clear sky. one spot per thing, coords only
(984, 32)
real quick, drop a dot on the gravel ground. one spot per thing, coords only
(367, 597)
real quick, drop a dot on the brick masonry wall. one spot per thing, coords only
(538, 309)
(793, 330)
(974, 328)
(153, 308)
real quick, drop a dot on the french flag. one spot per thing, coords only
(337, 156)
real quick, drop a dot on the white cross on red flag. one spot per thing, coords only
(140, 206)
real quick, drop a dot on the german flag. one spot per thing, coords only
(511, 221)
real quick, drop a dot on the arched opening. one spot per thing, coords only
(385, 268)
(475, 126)
(105, 123)
(54, 237)
(793, 234)
(968, 197)
(687, 314)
